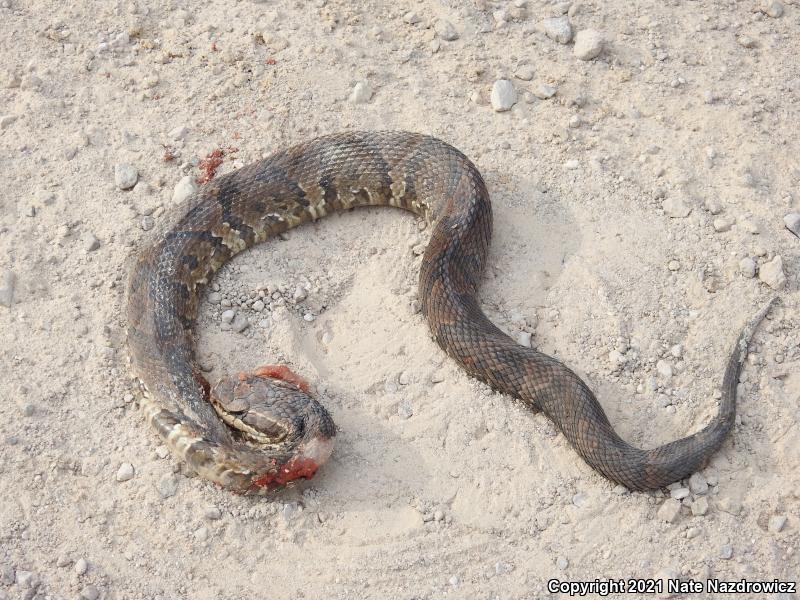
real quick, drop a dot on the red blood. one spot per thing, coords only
(283, 373)
(296, 468)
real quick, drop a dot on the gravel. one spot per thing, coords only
(125, 176)
(676, 208)
(8, 281)
(183, 189)
(524, 72)
(747, 267)
(90, 242)
(588, 44)
(726, 552)
(700, 506)
(228, 316)
(722, 224)
(558, 29)
(167, 486)
(446, 30)
(81, 566)
(361, 93)
(698, 484)
(125, 472)
(776, 523)
(670, 510)
(503, 96)
(772, 273)
(792, 222)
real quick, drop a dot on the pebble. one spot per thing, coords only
(524, 72)
(215, 297)
(299, 294)
(90, 592)
(572, 164)
(692, 532)
(183, 189)
(125, 472)
(726, 552)
(361, 93)
(776, 523)
(747, 267)
(670, 510)
(446, 30)
(405, 410)
(558, 29)
(676, 351)
(792, 222)
(454, 581)
(664, 369)
(544, 91)
(772, 273)
(27, 579)
(722, 224)
(676, 208)
(771, 8)
(81, 566)
(240, 323)
(167, 486)
(125, 176)
(228, 316)
(700, 506)
(562, 563)
(524, 339)
(698, 484)
(504, 96)
(680, 493)
(588, 44)
(8, 281)
(201, 534)
(212, 513)
(6, 120)
(7, 574)
(90, 242)
(745, 41)
(258, 305)
(411, 18)
(179, 133)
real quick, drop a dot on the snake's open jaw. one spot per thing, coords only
(311, 456)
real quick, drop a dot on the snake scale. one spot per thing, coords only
(260, 430)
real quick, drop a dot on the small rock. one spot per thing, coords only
(722, 224)
(7, 574)
(558, 29)
(588, 44)
(572, 164)
(726, 552)
(201, 534)
(125, 472)
(676, 208)
(730, 505)
(6, 120)
(670, 510)
(212, 513)
(27, 579)
(290, 510)
(454, 581)
(747, 267)
(792, 222)
(90, 592)
(698, 484)
(240, 323)
(90, 242)
(81, 566)
(228, 316)
(8, 281)
(446, 30)
(405, 410)
(771, 8)
(562, 563)
(692, 532)
(664, 369)
(776, 523)
(524, 339)
(178, 133)
(504, 96)
(361, 93)
(125, 176)
(411, 18)
(745, 41)
(680, 493)
(524, 72)
(676, 351)
(772, 273)
(544, 91)
(713, 206)
(183, 189)
(167, 486)
(299, 294)
(215, 297)
(258, 305)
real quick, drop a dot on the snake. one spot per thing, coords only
(256, 431)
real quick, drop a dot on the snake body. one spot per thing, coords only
(304, 183)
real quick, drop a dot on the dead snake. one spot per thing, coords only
(277, 431)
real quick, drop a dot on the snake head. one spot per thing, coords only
(275, 414)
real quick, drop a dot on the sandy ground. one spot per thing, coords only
(632, 208)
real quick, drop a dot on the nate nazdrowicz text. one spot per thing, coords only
(673, 586)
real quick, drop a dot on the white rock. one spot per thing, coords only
(446, 30)
(504, 96)
(81, 566)
(722, 224)
(544, 91)
(792, 222)
(167, 486)
(90, 242)
(700, 506)
(588, 44)
(572, 164)
(6, 120)
(558, 29)
(680, 493)
(362, 93)
(524, 339)
(125, 472)
(726, 552)
(178, 133)
(664, 369)
(676, 208)
(772, 273)
(771, 8)
(183, 189)
(524, 72)
(411, 17)
(747, 267)
(776, 523)
(670, 510)
(698, 484)
(8, 281)
(125, 176)
(228, 315)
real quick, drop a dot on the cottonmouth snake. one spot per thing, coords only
(279, 432)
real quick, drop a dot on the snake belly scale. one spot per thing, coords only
(303, 183)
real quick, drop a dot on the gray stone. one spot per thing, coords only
(8, 281)
(676, 208)
(772, 273)
(361, 93)
(178, 133)
(679, 493)
(524, 72)
(698, 484)
(228, 316)
(771, 8)
(722, 224)
(726, 552)
(27, 579)
(776, 523)
(90, 242)
(747, 267)
(670, 510)
(588, 44)
(446, 30)
(544, 91)
(664, 369)
(240, 323)
(558, 29)
(504, 96)
(212, 513)
(792, 222)
(81, 566)
(125, 176)
(183, 189)
(90, 592)
(562, 563)
(167, 486)
(411, 17)
(6, 120)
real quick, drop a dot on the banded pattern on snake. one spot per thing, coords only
(258, 430)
